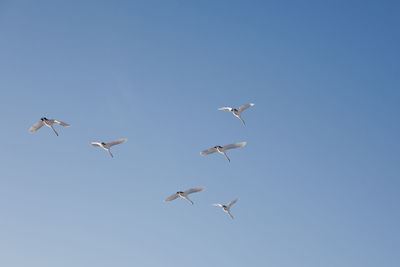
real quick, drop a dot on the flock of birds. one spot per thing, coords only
(180, 194)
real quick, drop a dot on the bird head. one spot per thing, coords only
(43, 118)
(103, 143)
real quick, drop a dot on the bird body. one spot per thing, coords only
(222, 149)
(107, 146)
(227, 208)
(184, 194)
(48, 123)
(238, 112)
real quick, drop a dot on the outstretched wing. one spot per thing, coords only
(240, 109)
(208, 151)
(61, 123)
(232, 202)
(172, 197)
(36, 126)
(234, 145)
(194, 190)
(225, 108)
(95, 144)
(117, 142)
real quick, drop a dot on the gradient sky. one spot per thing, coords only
(318, 181)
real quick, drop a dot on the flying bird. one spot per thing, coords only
(185, 194)
(107, 146)
(237, 112)
(227, 208)
(222, 149)
(48, 123)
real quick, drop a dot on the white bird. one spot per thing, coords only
(237, 112)
(227, 208)
(185, 194)
(48, 123)
(107, 146)
(222, 149)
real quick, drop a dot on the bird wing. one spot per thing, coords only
(208, 151)
(36, 126)
(95, 144)
(240, 109)
(61, 123)
(232, 202)
(194, 190)
(117, 142)
(234, 145)
(217, 205)
(172, 197)
(225, 108)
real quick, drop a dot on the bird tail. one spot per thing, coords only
(242, 120)
(54, 130)
(188, 199)
(229, 160)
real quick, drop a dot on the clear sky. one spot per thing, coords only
(318, 181)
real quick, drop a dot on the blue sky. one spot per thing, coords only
(318, 181)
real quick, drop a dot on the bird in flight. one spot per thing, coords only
(107, 146)
(184, 194)
(227, 208)
(222, 149)
(48, 123)
(237, 112)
